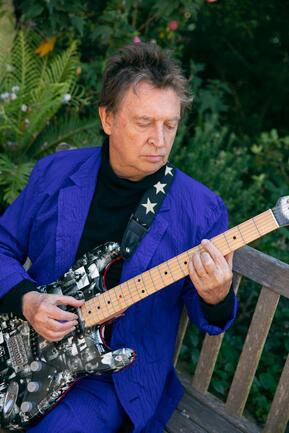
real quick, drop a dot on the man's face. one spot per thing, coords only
(142, 131)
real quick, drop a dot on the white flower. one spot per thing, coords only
(13, 96)
(66, 98)
(24, 108)
(15, 89)
(4, 96)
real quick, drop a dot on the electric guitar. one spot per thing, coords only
(35, 373)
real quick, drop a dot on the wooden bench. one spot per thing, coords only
(201, 412)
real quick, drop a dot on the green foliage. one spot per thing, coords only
(235, 139)
(33, 90)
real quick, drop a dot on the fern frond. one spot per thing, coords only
(25, 65)
(7, 35)
(13, 177)
(67, 130)
(46, 104)
(63, 67)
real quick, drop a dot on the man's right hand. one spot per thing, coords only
(42, 312)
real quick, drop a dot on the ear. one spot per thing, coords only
(106, 118)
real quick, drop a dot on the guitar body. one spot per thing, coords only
(35, 373)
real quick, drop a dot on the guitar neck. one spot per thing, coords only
(111, 303)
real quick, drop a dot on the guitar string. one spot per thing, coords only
(173, 269)
(131, 293)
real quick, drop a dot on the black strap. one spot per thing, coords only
(140, 221)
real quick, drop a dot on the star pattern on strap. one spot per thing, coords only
(169, 170)
(160, 187)
(149, 206)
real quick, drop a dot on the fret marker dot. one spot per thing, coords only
(165, 272)
(98, 307)
(120, 296)
(142, 291)
(234, 237)
(185, 263)
(89, 312)
(108, 302)
(138, 280)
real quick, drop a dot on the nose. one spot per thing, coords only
(158, 136)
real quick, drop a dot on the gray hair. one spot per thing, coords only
(141, 62)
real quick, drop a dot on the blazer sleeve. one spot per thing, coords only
(216, 223)
(15, 226)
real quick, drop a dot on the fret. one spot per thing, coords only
(169, 266)
(256, 225)
(240, 231)
(176, 271)
(138, 292)
(147, 281)
(107, 301)
(222, 243)
(154, 279)
(266, 222)
(140, 286)
(160, 276)
(128, 293)
(248, 230)
(181, 265)
(234, 239)
(121, 296)
(165, 273)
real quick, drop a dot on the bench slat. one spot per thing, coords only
(252, 350)
(264, 269)
(209, 353)
(279, 412)
(180, 423)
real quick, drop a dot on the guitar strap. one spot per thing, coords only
(142, 218)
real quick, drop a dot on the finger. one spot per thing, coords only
(229, 259)
(57, 313)
(208, 263)
(57, 336)
(69, 300)
(55, 325)
(214, 252)
(198, 265)
(193, 275)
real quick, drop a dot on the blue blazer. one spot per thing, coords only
(45, 223)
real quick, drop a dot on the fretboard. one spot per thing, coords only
(111, 303)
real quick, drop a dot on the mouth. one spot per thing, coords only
(154, 158)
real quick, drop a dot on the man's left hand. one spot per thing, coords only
(211, 273)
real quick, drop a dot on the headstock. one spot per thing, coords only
(281, 211)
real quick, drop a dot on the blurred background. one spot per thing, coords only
(235, 138)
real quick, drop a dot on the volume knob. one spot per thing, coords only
(26, 406)
(36, 366)
(33, 386)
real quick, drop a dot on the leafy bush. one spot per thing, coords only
(32, 91)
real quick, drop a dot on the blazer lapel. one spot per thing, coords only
(73, 206)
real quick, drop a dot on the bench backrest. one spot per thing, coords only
(273, 276)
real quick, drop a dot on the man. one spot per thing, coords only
(76, 200)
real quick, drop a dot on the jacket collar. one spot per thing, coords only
(73, 206)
